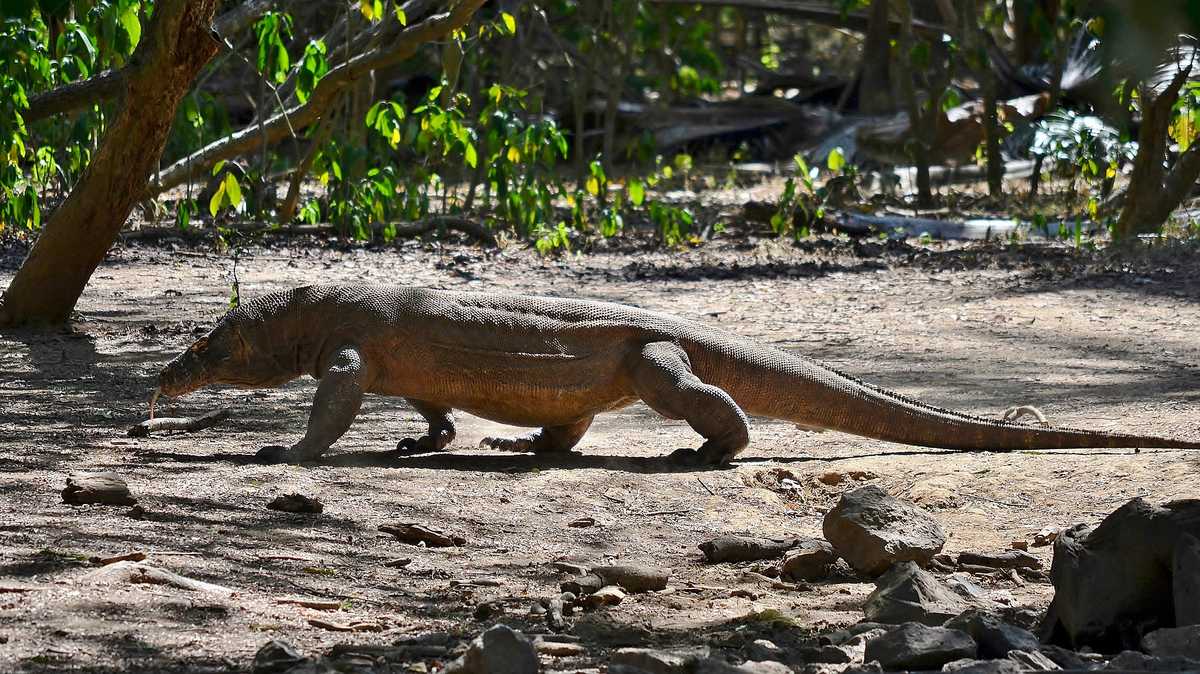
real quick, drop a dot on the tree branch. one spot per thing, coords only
(279, 126)
(107, 85)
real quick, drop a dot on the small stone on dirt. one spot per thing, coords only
(582, 522)
(499, 650)
(417, 534)
(102, 488)
(276, 656)
(584, 585)
(487, 610)
(917, 646)
(1045, 537)
(633, 578)
(812, 559)
(1174, 641)
(296, 503)
(872, 531)
(609, 595)
(908, 593)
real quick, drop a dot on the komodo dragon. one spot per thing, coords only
(556, 364)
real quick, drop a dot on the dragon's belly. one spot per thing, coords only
(544, 388)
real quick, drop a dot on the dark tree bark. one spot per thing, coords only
(875, 81)
(176, 44)
(919, 145)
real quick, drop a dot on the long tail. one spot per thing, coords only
(772, 383)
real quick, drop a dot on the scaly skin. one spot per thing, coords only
(555, 364)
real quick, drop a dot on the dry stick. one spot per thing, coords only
(187, 424)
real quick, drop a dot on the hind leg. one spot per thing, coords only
(546, 440)
(441, 429)
(663, 378)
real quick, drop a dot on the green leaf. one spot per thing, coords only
(214, 204)
(469, 155)
(836, 160)
(233, 190)
(131, 24)
(637, 192)
(401, 17)
(509, 22)
(218, 166)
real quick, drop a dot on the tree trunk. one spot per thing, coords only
(176, 44)
(917, 121)
(875, 82)
(1152, 192)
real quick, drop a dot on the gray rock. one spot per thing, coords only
(994, 637)
(581, 586)
(276, 656)
(916, 646)
(1185, 579)
(1110, 580)
(1063, 657)
(812, 559)
(762, 649)
(965, 587)
(1135, 661)
(654, 661)
(872, 531)
(907, 593)
(1033, 661)
(832, 655)
(499, 650)
(713, 666)
(1174, 641)
(970, 666)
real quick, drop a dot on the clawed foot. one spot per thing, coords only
(422, 445)
(277, 454)
(520, 445)
(685, 457)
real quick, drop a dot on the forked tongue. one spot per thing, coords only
(153, 399)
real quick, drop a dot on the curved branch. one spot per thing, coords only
(76, 95)
(281, 125)
(109, 84)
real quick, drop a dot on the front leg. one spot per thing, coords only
(337, 402)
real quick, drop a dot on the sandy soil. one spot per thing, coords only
(1094, 343)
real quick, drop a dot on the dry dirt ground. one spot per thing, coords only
(978, 328)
